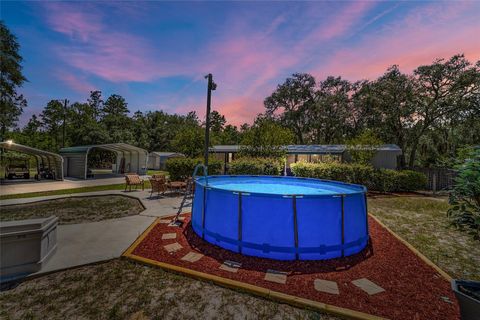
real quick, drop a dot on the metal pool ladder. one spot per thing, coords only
(188, 189)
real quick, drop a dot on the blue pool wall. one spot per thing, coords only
(263, 225)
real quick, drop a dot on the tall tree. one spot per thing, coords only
(11, 79)
(388, 107)
(189, 141)
(327, 117)
(83, 126)
(31, 132)
(52, 120)
(95, 102)
(266, 138)
(116, 120)
(444, 89)
(293, 99)
(140, 130)
(217, 122)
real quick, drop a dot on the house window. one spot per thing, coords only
(302, 158)
(290, 159)
(315, 158)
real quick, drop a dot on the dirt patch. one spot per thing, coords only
(120, 289)
(413, 289)
(75, 209)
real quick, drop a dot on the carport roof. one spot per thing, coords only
(9, 145)
(167, 154)
(116, 147)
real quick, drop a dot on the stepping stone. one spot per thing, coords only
(230, 266)
(276, 276)
(326, 286)
(368, 286)
(192, 256)
(173, 247)
(168, 236)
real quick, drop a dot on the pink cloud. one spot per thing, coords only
(75, 82)
(409, 43)
(74, 21)
(343, 22)
(96, 49)
(248, 62)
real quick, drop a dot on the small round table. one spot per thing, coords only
(177, 185)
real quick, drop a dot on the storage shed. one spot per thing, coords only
(45, 160)
(128, 159)
(157, 160)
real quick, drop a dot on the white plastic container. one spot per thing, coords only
(25, 245)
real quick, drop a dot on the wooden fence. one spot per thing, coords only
(438, 178)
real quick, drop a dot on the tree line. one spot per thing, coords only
(431, 114)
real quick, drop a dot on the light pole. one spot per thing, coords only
(65, 102)
(211, 86)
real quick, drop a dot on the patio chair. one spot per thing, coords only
(133, 179)
(158, 176)
(159, 185)
(190, 185)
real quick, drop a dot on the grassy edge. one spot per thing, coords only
(120, 186)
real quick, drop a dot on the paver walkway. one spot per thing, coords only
(84, 243)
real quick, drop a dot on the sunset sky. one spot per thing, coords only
(156, 54)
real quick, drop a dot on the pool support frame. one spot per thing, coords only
(295, 222)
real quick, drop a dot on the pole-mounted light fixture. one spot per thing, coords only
(211, 86)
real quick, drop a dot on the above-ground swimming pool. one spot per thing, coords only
(283, 218)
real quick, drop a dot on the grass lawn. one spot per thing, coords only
(75, 210)
(119, 289)
(423, 223)
(152, 172)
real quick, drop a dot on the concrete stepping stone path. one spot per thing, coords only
(168, 236)
(230, 266)
(192, 256)
(368, 286)
(276, 276)
(173, 247)
(326, 286)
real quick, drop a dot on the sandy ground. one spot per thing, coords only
(75, 210)
(121, 289)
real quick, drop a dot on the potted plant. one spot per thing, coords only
(468, 296)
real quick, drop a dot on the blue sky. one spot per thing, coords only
(155, 54)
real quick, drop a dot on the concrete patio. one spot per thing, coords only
(84, 243)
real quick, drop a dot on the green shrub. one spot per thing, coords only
(256, 166)
(409, 180)
(383, 180)
(182, 168)
(465, 196)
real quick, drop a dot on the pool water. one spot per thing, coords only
(282, 186)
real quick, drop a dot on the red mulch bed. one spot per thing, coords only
(413, 289)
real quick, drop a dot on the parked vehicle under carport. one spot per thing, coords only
(17, 170)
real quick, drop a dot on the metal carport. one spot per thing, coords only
(52, 160)
(129, 159)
